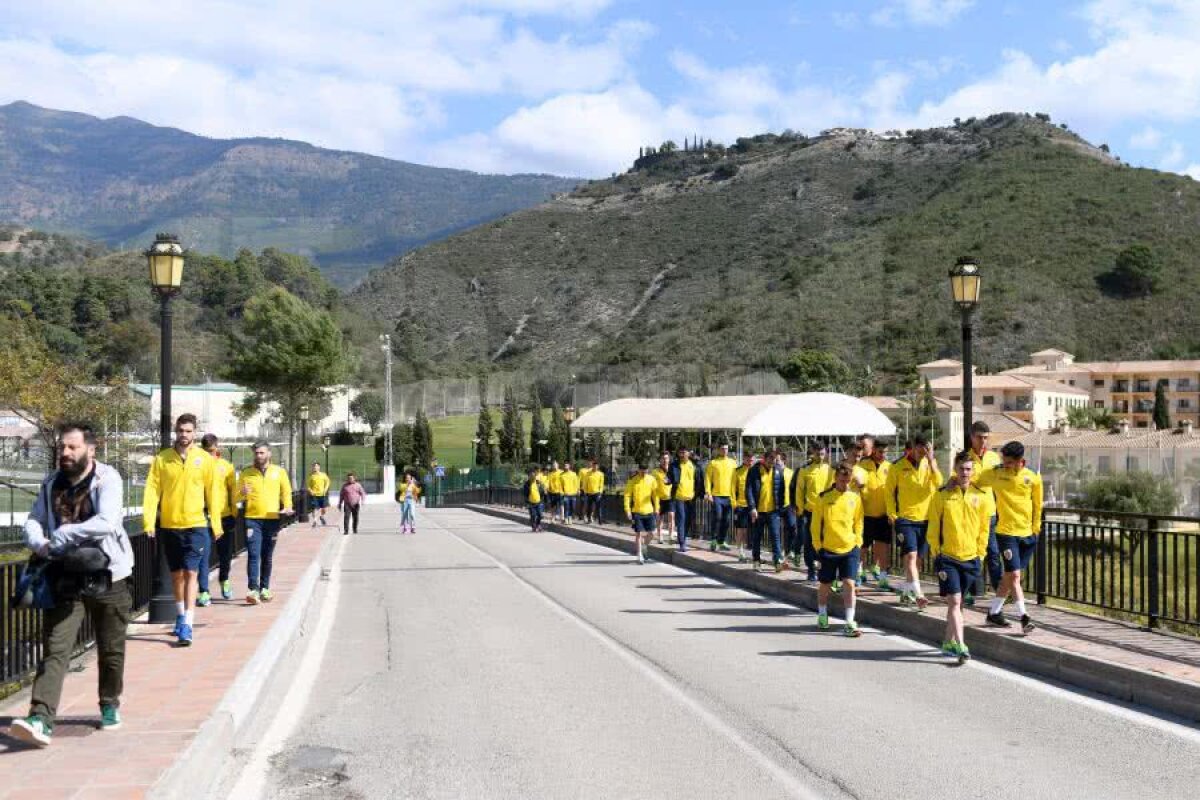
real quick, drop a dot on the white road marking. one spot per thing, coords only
(781, 774)
(251, 784)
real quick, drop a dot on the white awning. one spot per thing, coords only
(806, 414)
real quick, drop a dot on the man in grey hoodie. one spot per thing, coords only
(79, 505)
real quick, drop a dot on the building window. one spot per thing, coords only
(1071, 382)
(1104, 465)
(1098, 382)
(1185, 402)
(955, 397)
(1097, 404)
(1142, 424)
(989, 399)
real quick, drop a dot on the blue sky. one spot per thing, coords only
(575, 86)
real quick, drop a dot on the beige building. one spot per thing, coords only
(1124, 387)
(1033, 400)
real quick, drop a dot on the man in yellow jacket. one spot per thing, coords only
(718, 493)
(1018, 491)
(591, 483)
(741, 508)
(534, 493)
(837, 530)
(666, 514)
(985, 460)
(911, 484)
(227, 479)
(183, 500)
(958, 535)
(815, 478)
(870, 475)
(642, 493)
(318, 492)
(569, 481)
(554, 491)
(266, 492)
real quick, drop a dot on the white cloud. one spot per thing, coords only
(1193, 171)
(1147, 138)
(920, 12)
(1174, 158)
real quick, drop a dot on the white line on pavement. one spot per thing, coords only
(251, 784)
(781, 774)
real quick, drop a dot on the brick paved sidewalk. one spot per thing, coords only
(169, 693)
(1112, 641)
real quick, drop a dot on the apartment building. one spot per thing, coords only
(1124, 387)
(1036, 401)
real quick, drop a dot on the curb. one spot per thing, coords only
(1158, 692)
(215, 741)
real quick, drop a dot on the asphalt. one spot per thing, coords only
(478, 660)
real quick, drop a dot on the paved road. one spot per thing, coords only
(478, 660)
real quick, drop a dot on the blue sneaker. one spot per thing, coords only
(179, 623)
(185, 635)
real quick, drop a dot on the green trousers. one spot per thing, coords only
(109, 614)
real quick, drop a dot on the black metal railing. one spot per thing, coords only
(21, 629)
(1141, 567)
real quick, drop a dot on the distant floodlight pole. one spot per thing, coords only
(964, 288)
(386, 345)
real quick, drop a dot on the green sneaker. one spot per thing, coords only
(851, 630)
(741, 558)
(823, 621)
(712, 546)
(862, 577)
(204, 599)
(266, 596)
(969, 600)
(950, 649)
(725, 548)
(837, 588)
(110, 718)
(964, 653)
(227, 590)
(907, 599)
(778, 566)
(796, 561)
(34, 730)
(252, 597)
(881, 580)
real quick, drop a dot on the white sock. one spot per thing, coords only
(849, 614)
(822, 609)
(179, 608)
(1021, 607)
(189, 615)
(997, 605)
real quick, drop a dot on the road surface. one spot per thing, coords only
(478, 660)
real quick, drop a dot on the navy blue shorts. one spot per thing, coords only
(643, 523)
(954, 576)
(877, 529)
(319, 501)
(912, 536)
(183, 547)
(741, 517)
(1016, 551)
(838, 566)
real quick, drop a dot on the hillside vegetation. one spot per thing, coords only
(121, 180)
(740, 256)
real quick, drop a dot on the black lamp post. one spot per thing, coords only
(964, 288)
(165, 260)
(303, 415)
(325, 442)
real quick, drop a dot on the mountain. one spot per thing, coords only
(121, 180)
(739, 256)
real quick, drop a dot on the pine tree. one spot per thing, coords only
(483, 432)
(559, 445)
(422, 440)
(537, 426)
(512, 444)
(1162, 416)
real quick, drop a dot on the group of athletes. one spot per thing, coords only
(841, 521)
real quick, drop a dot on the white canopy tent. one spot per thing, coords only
(807, 414)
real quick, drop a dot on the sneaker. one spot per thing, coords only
(778, 567)
(185, 635)
(811, 577)
(837, 588)
(1026, 624)
(227, 590)
(179, 620)
(907, 598)
(950, 649)
(266, 595)
(741, 558)
(922, 602)
(851, 629)
(110, 718)
(881, 580)
(204, 599)
(862, 577)
(823, 621)
(796, 561)
(998, 621)
(33, 729)
(969, 600)
(724, 548)
(252, 597)
(964, 654)
(712, 547)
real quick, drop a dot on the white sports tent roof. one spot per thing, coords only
(805, 414)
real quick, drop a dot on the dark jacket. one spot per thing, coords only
(698, 474)
(754, 486)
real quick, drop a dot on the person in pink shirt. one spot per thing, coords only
(349, 500)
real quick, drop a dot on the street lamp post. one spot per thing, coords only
(389, 459)
(325, 442)
(303, 475)
(964, 288)
(165, 260)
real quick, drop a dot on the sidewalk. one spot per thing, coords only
(1158, 670)
(169, 692)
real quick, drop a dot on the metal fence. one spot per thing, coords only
(21, 629)
(1139, 567)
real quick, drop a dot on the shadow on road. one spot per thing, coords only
(759, 629)
(911, 656)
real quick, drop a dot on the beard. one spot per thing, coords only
(73, 468)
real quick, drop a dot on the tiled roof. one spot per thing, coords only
(1006, 381)
(1134, 439)
(941, 362)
